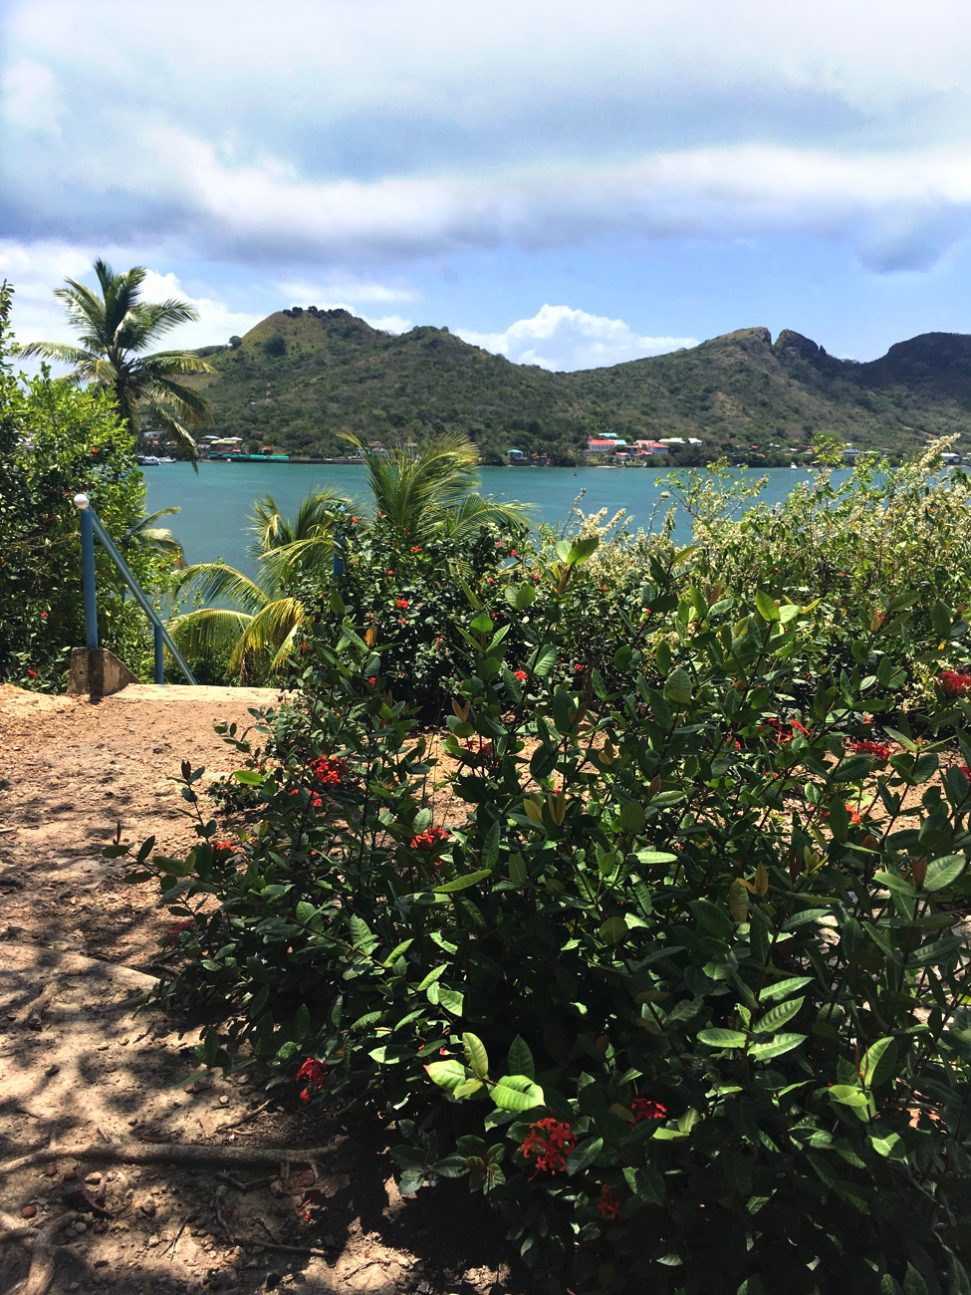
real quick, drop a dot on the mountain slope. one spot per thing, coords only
(301, 377)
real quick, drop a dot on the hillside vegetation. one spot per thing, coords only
(302, 377)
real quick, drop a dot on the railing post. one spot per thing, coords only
(82, 504)
(159, 654)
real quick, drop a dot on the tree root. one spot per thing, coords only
(35, 1240)
(166, 1153)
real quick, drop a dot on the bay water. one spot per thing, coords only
(216, 502)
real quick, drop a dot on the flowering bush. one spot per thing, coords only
(671, 975)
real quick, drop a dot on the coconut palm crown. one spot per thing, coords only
(114, 329)
(434, 491)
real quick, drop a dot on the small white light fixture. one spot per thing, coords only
(81, 501)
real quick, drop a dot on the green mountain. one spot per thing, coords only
(301, 377)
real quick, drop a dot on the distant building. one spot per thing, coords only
(515, 456)
(605, 444)
(647, 449)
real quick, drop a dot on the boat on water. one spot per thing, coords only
(147, 460)
(249, 458)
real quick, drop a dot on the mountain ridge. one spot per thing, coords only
(302, 376)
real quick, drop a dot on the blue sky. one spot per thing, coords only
(566, 184)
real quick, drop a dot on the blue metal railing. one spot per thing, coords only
(91, 525)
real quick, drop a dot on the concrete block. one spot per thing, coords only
(98, 672)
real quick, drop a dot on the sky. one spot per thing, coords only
(569, 185)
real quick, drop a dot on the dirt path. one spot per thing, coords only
(79, 1066)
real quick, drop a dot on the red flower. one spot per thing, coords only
(782, 735)
(645, 1108)
(536, 575)
(954, 684)
(965, 770)
(854, 815)
(224, 846)
(329, 770)
(389, 572)
(173, 932)
(609, 1204)
(416, 548)
(429, 841)
(579, 667)
(513, 553)
(548, 1144)
(311, 1075)
(521, 675)
(402, 602)
(31, 674)
(353, 521)
(879, 750)
(43, 616)
(373, 680)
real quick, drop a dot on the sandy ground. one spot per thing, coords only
(80, 1066)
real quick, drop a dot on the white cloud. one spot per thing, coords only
(30, 99)
(300, 292)
(563, 338)
(346, 134)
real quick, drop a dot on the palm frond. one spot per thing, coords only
(59, 351)
(209, 631)
(313, 555)
(186, 404)
(180, 434)
(214, 580)
(476, 511)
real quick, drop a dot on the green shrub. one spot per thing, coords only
(664, 964)
(57, 440)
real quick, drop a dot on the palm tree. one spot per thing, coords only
(258, 631)
(114, 329)
(159, 539)
(433, 492)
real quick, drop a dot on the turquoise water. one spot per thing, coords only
(216, 502)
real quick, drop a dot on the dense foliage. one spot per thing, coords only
(56, 440)
(302, 377)
(656, 946)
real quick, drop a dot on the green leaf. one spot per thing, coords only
(517, 1093)
(776, 1047)
(782, 987)
(451, 1167)
(451, 999)
(847, 1095)
(778, 1016)
(249, 777)
(520, 1059)
(585, 1154)
(914, 1284)
(476, 1056)
(655, 856)
(677, 687)
(362, 937)
(582, 549)
(766, 606)
(470, 1088)
(942, 872)
(613, 930)
(463, 883)
(446, 1074)
(723, 1038)
(878, 1062)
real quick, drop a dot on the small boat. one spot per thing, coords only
(794, 465)
(148, 461)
